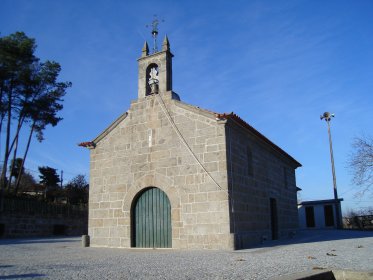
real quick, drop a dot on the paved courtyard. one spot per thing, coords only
(64, 258)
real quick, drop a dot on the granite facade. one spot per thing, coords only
(228, 186)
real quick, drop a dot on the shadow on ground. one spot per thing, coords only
(20, 276)
(302, 236)
(37, 240)
(310, 236)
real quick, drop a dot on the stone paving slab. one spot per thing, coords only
(65, 258)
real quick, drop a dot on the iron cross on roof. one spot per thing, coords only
(154, 26)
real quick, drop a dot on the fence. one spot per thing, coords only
(39, 207)
(359, 222)
(23, 217)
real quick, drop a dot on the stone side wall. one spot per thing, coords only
(256, 174)
(26, 225)
(31, 217)
(144, 150)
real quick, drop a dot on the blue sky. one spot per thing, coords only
(277, 64)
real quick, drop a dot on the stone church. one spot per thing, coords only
(167, 174)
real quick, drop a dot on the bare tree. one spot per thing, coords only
(77, 190)
(361, 164)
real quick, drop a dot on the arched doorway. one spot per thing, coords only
(151, 220)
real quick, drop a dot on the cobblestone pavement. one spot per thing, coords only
(64, 258)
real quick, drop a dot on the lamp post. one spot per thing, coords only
(327, 117)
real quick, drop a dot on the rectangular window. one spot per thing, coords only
(329, 217)
(310, 216)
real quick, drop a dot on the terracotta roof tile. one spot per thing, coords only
(88, 144)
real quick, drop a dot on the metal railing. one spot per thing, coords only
(15, 205)
(359, 222)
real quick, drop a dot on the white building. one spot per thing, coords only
(318, 213)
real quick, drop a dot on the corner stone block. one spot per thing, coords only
(100, 242)
(104, 205)
(100, 213)
(101, 232)
(95, 223)
(94, 205)
(218, 196)
(216, 140)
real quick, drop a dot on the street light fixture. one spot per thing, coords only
(327, 117)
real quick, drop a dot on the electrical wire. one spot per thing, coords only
(168, 115)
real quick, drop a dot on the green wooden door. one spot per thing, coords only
(152, 220)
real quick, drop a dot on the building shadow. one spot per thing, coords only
(314, 236)
(38, 240)
(20, 276)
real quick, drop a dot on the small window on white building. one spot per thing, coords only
(329, 215)
(310, 216)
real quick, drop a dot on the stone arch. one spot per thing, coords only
(147, 73)
(164, 183)
(151, 219)
(158, 180)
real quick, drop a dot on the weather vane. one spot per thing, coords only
(154, 26)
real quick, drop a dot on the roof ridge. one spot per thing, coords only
(246, 125)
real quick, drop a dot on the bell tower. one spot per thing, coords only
(155, 70)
